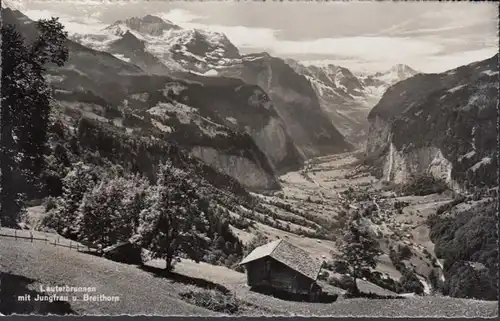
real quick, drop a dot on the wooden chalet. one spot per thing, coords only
(126, 252)
(281, 266)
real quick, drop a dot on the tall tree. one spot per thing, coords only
(109, 212)
(25, 103)
(359, 250)
(14, 57)
(175, 222)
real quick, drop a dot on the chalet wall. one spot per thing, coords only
(271, 273)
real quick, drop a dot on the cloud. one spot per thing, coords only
(82, 24)
(180, 16)
(426, 64)
(268, 39)
(450, 61)
(366, 48)
(240, 36)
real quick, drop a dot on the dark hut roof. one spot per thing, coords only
(288, 254)
(131, 241)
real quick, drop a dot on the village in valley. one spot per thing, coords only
(165, 173)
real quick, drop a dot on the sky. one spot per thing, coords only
(362, 36)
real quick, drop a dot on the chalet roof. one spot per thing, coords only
(133, 241)
(288, 254)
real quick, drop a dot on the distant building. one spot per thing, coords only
(281, 266)
(125, 252)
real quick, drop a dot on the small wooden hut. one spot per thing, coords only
(129, 252)
(284, 267)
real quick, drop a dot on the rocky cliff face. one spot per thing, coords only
(131, 49)
(342, 98)
(295, 102)
(441, 124)
(245, 171)
(248, 109)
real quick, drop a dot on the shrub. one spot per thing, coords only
(400, 205)
(213, 300)
(405, 252)
(341, 267)
(411, 283)
(328, 265)
(344, 282)
(434, 280)
(323, 275)
(50, 203)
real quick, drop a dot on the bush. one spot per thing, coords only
(400, 205)
(213, 300)
(323, 276)
(388, 284)
(341, 267)
(411, 283)
(405, 252)
(329, 265)
(435, 281)
(50, 203)
(345, 282)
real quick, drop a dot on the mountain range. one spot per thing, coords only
(240, 113)
(160, 46)
(347, 98)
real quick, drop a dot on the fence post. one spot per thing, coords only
(15, 234)
(31, 236)
(77, 248)
(70, 245)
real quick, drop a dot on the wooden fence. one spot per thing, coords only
(54, 242)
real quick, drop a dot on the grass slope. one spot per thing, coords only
(139, 291)
(142, 293)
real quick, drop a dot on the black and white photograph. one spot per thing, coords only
(249, 158)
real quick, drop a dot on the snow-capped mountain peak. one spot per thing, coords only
(148, 25)
(396, 73)
(13, 4)
(209, 43)
(378, 83)
(151, 40)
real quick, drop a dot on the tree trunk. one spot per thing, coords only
(168, 266)
(355, 289)
(8, 211)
